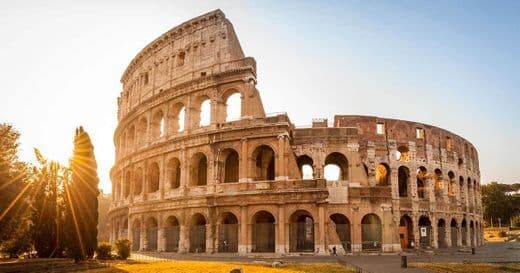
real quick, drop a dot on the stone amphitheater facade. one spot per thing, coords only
(257, 183)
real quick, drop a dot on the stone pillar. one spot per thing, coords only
(435, 233)
(281, 241)
(161, 235)
(280, 164)
(244, 161)
(448, 234)
(142, 235)
(242, 238)
(183, 239)
(320, 246)
(163, 175)
(416, 230)
(356, 230)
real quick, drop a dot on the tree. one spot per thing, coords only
(81, 199)
(14, 189)
(496, 203)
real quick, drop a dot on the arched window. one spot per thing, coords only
(228, 233)
(462, 196)
(441, 234)
(342, 227)
(382, 175)
(172, 232)
(439, 185)
(123, 148)
(151, 234)
(177, 116)
(126, 187)
(130, 138)
(305, 165)
(199, 166)
(301, 232)
(231, 162)
(136, 235)
(422, 175)
(451, 183)
(158, 129)
(263, 237)
(205, 113)
(233, 107)
(371, 232)
(138, 181)
(403, 175)
(336, 167)
(141, 131)
(264, 164)
(198, 233)
(402, 154)
(153, 177)
(174, 173)
(453, 229)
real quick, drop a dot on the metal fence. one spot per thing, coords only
(453, 236)
(171, 235)
(301, 236)
(371, 235)
(136, 240)
(263, 237)
(343, 231)
(228, 238)
(151, 239)
(198, 238)
(425, 236)
(441, 238)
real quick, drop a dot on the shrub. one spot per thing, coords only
(502, 234)
(104, 251)
(123, 248)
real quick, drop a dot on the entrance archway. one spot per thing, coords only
(263, 239)
(172, 231)
(198, 233)
(301, 232)
(151, 234)
(425, 228)
(371, 233)
(342, 228)
(228, 233)
(136, 235)
(441, 234)
(453, 227)
(406, 232)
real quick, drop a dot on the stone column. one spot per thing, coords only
(280, 168)
(416, 230)
(161, 235)
(242, 238)
(163, 175)
(281, 241)
(244, 161)
(356, 230)
(320, 246)
(435, 233)
(142, 235)
(183, 239)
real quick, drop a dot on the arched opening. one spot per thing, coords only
(336, 167)
(198, 233)
(205, 112)
(263, 237)
(453, 231)
(406, 232)
(471, 233)
(228, 233)
(141, 131)
(340, 235)
(441, 234)
(382, 175)
(371, 233)
(462, 196)
(402, 154)
(264, 163)
(127, 184)
(174, 173)
(123, 148)
(177, 117)
(136, 235)
(439, 185)
(199, 169)
(231, 165)
(422, 175)
(138, 181)
(116, 231)
(464, 232)
(425, 228)
(153, 177)
(151, 234)
(171, 234)
(451, 184)
(124, 228)
(233, 107)
(130, 138)
(301, 232)
(157, 125)
(470, 193)
(305, 164)
(403, 177)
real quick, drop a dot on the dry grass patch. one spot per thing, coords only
(219, 267)
(469, 267)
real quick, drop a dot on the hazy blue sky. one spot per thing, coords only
(453, 64)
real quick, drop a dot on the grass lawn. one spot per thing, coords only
(469, 267)
(61, 266)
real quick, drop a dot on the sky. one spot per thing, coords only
(452, 64)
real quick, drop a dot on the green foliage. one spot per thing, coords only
(496, 203)
(14, 192)
(81, 199)
(123, 248)
(104, 251)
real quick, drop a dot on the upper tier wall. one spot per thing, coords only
(203, 46)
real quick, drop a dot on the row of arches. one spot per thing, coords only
(336, 167)
(450, 234)
(135, 180)
(175, 119)
(263, 231)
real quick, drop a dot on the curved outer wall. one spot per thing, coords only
(238, 186)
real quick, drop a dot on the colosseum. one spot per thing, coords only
(191, 177)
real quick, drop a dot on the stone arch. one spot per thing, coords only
(406, 232)
(232, 99)
(199, 169)
(342, 230)
(264, 159)
(138, 181)
(201, 111)
(136, 235)
(402, 154)
(177, 118)
(403, 181)
(441, 234)
(438, 182)
(130, 138)
(382, 174)
(154, 174)
(151, 234)
(231, 165)
(454, 233)
(263, 237)
(464, 232)
(158, 125)
(228, 233)
(462, 197)
(425, 231)
(301, 232)
(371, 233)
(173, 169)
(451, 183)
(142, 128)
(198, 233)
(123, 147)
(172, 234)
(305, 166)
(471, 233)
(422, 176)
(127, 184)
(340, 162)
